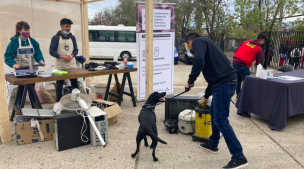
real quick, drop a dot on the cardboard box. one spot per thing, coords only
(113, 120)
(25, 134)
(112, 111)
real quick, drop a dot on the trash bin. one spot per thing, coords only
(100, 90)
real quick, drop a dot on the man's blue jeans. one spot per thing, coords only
(242, 72)
(219, 111)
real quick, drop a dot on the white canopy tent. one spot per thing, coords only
(5, 131)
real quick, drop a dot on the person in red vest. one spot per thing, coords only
(248, 52)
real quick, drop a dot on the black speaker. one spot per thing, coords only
(178, 104)
(68, 127)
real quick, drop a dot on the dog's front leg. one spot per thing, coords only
(146, 141)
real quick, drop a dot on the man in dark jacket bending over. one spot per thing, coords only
(221, 77)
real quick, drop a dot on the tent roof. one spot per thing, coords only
(75, 1)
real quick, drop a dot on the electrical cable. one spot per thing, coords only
(82, 114)
(38, 113)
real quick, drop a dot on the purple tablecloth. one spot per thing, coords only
(273, 100)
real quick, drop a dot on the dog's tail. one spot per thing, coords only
(153, 135)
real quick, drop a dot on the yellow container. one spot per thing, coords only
(203, 126)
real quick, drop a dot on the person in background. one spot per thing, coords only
(210, 60)
(288, 59)
(295, 56)
(64, 48)
(302, 57)
(283, 54)
(12, 59)
(270, 54)
(245, 55)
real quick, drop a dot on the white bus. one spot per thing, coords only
(110, 41)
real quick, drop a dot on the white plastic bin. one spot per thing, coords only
(100, 90)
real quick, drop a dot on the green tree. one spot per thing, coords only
(210, 14)
(299, 25)
(103, 18)
(125, 13)
(261, 15)
(202, 16)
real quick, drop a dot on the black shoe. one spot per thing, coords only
(234, 163)
(207, 147)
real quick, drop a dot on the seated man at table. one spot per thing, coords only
(64, 49)
(248, 52)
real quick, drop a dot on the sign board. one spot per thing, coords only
(163, 44)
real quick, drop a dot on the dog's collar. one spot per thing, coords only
(149, 106)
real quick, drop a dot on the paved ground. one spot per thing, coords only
(265, 149)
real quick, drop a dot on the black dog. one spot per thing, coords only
(147, 120)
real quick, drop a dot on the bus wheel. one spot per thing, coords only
(125, 54)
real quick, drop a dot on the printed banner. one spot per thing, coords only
(163, 44)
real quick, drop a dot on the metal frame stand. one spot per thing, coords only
(126, 76)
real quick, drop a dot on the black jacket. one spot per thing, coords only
(55, 41)
(212, 62)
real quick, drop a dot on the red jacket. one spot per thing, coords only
(248, 52)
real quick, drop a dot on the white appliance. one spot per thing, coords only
(186, 121)
(101, 122)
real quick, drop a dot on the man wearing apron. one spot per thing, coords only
(64, 48)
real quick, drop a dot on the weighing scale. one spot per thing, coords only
(27, 67)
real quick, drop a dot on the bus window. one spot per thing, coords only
(109, 41)
(105, 36)
(126, 36)
(90, 36)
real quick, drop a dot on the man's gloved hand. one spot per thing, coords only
(205, 100)
(188, 87)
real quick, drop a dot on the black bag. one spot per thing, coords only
(171, 126)
(67, 90)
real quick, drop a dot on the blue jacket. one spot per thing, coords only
(11, 51)
(55, 41)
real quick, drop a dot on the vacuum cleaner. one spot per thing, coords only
(203, 128)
